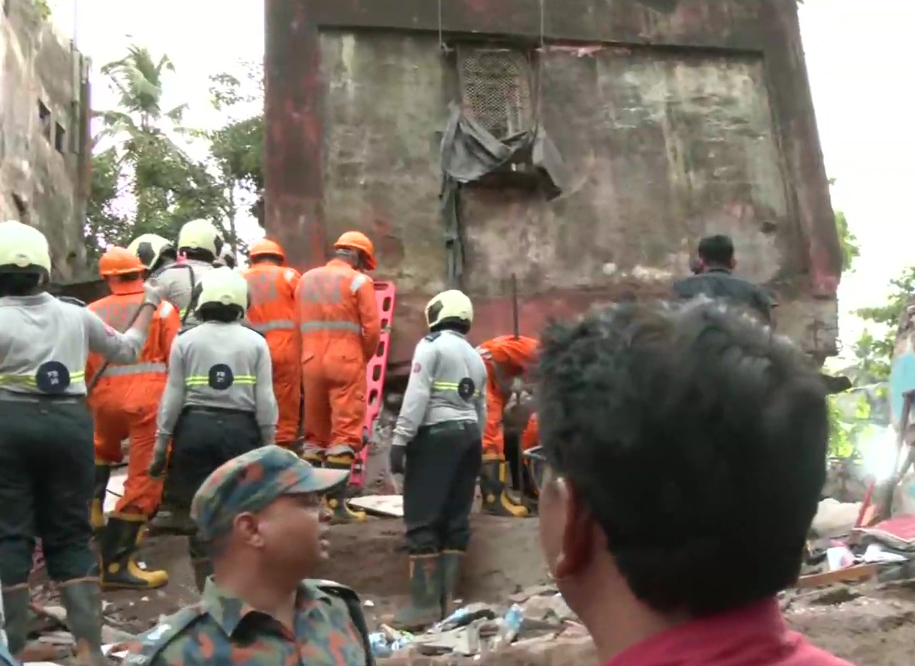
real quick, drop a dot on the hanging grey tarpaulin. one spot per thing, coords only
(468, 153)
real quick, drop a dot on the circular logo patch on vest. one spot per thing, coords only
(466, 388)
(221, 377)
(52, 377)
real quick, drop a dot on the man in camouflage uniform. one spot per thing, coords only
(259, 517)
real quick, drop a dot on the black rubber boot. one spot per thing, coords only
(496, 501)
(425, 607)
(100, 487)
(16, 601)
(83, 602)
(451, 575)
(120, 569)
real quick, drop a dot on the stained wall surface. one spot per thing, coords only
(662, 143)
(44, 115)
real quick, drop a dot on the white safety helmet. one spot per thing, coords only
(452, 305)
(22, 246)
(150, 248)
(224, 286)
(200, 235)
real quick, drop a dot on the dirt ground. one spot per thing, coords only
(504, 558)
(870, 626)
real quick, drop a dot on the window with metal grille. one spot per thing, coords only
(496, 88)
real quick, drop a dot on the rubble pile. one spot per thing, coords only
(839, 551)
(50, 639)
(537, 615)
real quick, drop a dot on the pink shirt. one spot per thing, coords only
(753, 636)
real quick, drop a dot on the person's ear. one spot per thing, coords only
(732, 264)
(247, 528)
(578, 533)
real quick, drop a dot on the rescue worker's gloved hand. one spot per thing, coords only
(153, 292)
(398, 459)
(159, 457)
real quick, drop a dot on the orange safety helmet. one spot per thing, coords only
(119, 261)
(266, 247)
(356, 240)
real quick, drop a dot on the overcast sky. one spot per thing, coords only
(860, 55)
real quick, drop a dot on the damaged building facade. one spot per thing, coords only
(44, 134)
(579, 149)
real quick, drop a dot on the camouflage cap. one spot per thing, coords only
(252, 481)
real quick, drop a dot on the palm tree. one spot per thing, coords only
(139, 78)
(168, 187)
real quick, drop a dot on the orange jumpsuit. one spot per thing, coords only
(506, 358)
(125, 401)
(273, 313)
(338, 318)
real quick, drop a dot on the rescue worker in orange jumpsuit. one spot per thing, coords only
(272, 312)
(506, 358)
(338, 318)
(124, 403)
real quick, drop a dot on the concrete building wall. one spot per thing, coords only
(44, 118)
(674, 119)
(661, 148)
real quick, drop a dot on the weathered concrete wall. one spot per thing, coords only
(674, 122)
(44, 113)
(662, 149)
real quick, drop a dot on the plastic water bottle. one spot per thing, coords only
(453, 621)
(379, 644)
(509, 627)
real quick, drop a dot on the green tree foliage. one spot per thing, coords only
(237, 148)
(144, 181)
(874, 350)
(848, 241)
(42, 8)
(849, 415)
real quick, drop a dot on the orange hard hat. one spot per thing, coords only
(119, 261)
(356, 240)
(266, 247)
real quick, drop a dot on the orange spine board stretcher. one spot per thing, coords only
(385, 296)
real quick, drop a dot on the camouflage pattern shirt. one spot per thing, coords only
(223, 629)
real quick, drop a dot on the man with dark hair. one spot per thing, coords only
(684, 452)
(712, 277)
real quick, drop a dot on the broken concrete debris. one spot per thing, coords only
(51, 640)
(841, 551)
(536, 614)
